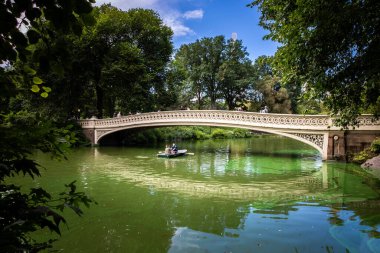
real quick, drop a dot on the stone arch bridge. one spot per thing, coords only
(316, 130)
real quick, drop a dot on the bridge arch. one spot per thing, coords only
(317, 131)
(257, 129)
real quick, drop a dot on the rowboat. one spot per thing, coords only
(180, 152)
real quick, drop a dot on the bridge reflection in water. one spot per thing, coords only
(319, 184)
(220, 202)
(206, 212)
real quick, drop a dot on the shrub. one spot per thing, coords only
(362, 156)
(199, 135)
(375, 146)
(368, 153)
(219, 134)
(241, 133)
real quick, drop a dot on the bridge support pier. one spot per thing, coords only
(336, 148)
(90, 135)
(342, 144)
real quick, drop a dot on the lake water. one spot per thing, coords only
(266, 194)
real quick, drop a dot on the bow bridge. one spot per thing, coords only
(316, 130)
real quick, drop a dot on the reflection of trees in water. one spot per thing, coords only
(185, 193)
(195, 206)
(230, 219)
(360, 195)
(147, 217)
(210, 201)
(209, 216)
(230, 166)
(366, 211)
(276, 212)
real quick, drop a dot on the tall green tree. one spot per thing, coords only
(24, 129)
(202, 60)
(118, 64)
(126, 53)
(179, 94)
(277, 100)
(262, 68)
(331, 48)
(188, 60)
(233, 74)
(213, 54)
(267, 82)
(267, 90)
(214, 69)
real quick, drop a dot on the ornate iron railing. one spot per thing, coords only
(233, 118)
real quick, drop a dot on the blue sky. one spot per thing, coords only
(194, 19)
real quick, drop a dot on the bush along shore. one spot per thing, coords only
(370, 158)
(368, 153)
(158, 135)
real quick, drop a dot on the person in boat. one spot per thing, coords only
(167, 149)
(174, 148)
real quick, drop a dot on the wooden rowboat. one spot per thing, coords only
(180, 152)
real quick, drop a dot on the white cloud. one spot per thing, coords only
(195, 14)
(179, 29)
(165, 8)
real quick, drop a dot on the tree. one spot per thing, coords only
(188, 60)
(23, 132)
(126, 54)
(202, 60)
(179, 95)
(331, 48)
(262, 68)
(277, 100)
(118, 64)
(233, 74)
(215, 69)
(212, 59)
(266, 89)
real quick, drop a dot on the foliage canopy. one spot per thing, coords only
(331, 49)
(24, 24)
(215, 69)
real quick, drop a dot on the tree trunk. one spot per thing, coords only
(199, 100)
(99, 101)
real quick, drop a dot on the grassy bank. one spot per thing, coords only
(156, 135)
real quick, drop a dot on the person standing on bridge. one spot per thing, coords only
(265, 110)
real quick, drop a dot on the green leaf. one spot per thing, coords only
(35, 88)
(29, 70)
(30, 48)
(44, 94)
(88, 19)
(46, 89)
(37, 80)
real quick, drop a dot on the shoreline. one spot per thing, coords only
(372, 166)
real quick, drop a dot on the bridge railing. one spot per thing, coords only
(269, 120)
